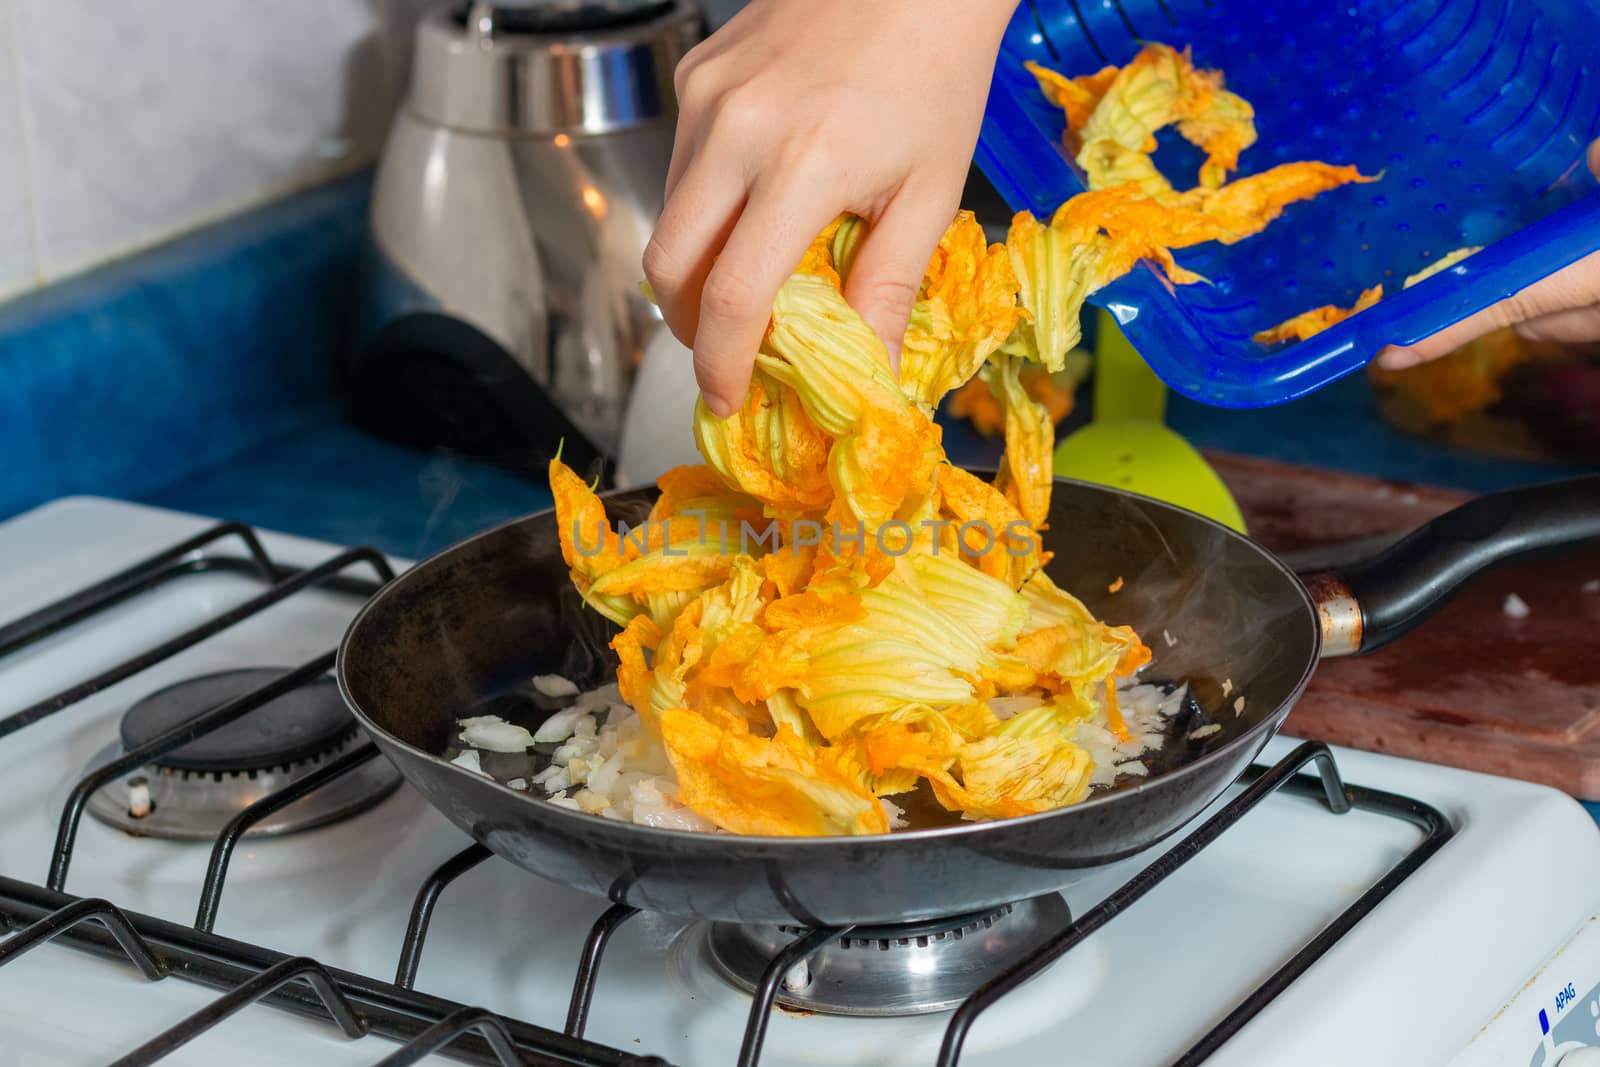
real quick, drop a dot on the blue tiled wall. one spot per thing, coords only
(121, 380)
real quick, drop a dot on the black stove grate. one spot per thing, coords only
(423, 1024)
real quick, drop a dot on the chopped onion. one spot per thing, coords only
(646, 793)
(896, 814)
(605, 763)
(1516, 607)
(603, 779)
(553, 685)
(468, 760)
(493, 734)
(557, 727)
(596, 699)
(572, 750)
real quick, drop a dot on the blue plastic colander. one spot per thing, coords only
(1479, 113)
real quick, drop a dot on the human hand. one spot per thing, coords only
(1564, 307)
(792, 113)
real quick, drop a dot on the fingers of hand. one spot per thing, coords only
(784, 213)
(1564, 301)
(888, 271)
(696, 98)
(697, 219)
(1573, 326)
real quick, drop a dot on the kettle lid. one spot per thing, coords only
(545, 67)
(561, 16)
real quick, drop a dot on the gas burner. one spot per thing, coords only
(904, 969)
(193, 791)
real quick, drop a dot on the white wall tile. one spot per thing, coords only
(17, 266)
(151, 117)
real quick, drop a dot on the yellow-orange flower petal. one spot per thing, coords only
(1076, 97)
(795, 672)
(1310, 323)
(667, 570)
(589, 543)
(818, 260)
(987, 529)
(1060, 265)
(966, 310)
(789, 569)
(1055, 278)
(1004, 777)
(1030, 441)
(769, 449)
(699, 490)
(1443, 263)
(1159, 87)
(884, 448)
(846, 243)
(769, 786)
(640, 636)
(1062, 637)
(1223, 130)
(1244, 207)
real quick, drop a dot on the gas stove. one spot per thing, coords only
(202, 861)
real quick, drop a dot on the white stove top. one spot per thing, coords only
(1441, 959)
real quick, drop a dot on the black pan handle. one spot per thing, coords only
(1367, 604)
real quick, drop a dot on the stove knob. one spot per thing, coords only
(1580, 1057)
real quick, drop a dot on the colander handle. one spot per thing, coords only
(1367, 604)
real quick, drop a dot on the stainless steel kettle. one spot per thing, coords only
(500, 311)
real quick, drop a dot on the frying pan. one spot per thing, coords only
(478, 620)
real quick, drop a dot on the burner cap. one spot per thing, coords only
(906, 969)
(193, 792)
(300, 724)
